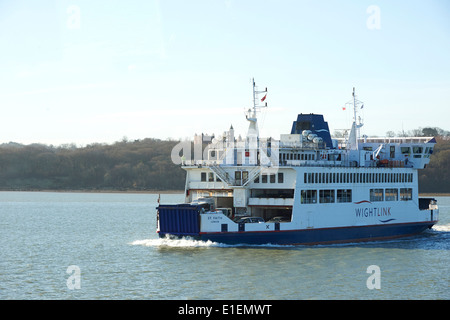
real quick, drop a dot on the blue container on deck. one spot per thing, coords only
(179, 219)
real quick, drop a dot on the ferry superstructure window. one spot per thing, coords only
(280, 177)
(264, 178)
(203, 176)
(417, 149)
(344, 195)
(376, 194)
(210, 177)
(272, 178)
(391, 194)
(244, 176)
(405, 194)
(308, 196)
(326, 196)
(405, 150)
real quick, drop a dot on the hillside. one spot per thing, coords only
(142, 165)
(436, 177)
(138, 165)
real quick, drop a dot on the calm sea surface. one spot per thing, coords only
(104, 246)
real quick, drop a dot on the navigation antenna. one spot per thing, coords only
(357, 122)
(251, 114)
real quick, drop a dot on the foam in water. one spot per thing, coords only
(442, 228)
(176, 243)
(191, 243)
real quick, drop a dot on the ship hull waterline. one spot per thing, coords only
(312, 236)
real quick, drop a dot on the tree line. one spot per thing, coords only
(139, 165)
(144, 165)
(435, 178)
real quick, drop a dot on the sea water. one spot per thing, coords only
(104, 246)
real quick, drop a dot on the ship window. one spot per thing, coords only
(203, 176)
(391, 194)
(376, 194)
(244, 176)
(405, 194)
(256, 180)
(264, 178)
(417, 149)
(272, 178)
(280, 177)
(344, 195)
(405, 150)
(210, 177)
(326, 196)
(308, 196)
(392, 151)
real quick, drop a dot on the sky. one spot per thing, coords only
(99, 71)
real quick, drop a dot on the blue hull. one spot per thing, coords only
(317, 236)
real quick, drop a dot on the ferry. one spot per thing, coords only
(304, 188)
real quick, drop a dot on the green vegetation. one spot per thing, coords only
(138, 165)
(436, 177)
(144, 165)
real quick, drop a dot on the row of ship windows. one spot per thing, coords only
(346, 177)
(243, 175)
(345, 195)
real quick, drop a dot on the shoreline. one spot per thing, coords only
(102, 191)
(425, 194)
(431, 194)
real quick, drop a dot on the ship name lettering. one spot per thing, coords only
(373, 212)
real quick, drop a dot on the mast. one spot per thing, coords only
(251, 113)
(357, 123)
(251, 116)
(252, 140)
(354, 105)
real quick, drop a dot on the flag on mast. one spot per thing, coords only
(264, 98)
